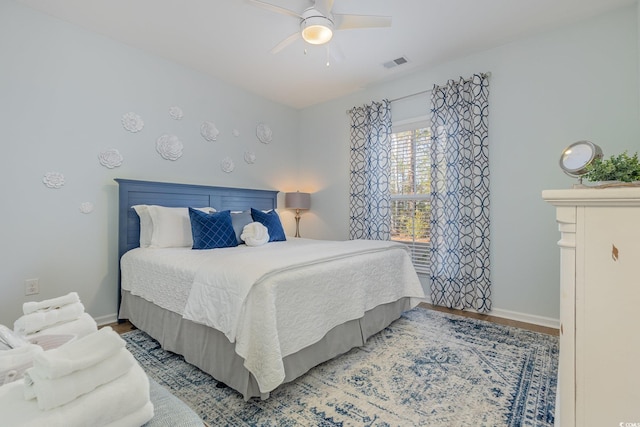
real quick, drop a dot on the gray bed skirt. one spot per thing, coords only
(211, 351)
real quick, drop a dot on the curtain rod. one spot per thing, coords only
(487, 75)
(400, 98)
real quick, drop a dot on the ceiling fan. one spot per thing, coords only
(317, 22)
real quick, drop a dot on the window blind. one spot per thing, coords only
(410, 188)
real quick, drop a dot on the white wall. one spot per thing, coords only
(63, 91)
(547, 91)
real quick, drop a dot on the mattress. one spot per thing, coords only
(274, 300)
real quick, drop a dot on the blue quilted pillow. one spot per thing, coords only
(212, 230)
(271, 220)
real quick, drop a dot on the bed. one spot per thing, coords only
(287, 306)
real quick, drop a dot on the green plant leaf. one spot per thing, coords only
(622, 167)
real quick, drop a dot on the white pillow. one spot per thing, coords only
(163, 227)
(172, 227)
(146, 226)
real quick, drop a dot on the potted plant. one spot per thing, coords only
(620, 168)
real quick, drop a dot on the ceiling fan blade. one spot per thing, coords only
(274, 8)
(324, 6)
(347, 22)
(286, 42)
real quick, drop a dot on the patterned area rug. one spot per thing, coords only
(426, 369)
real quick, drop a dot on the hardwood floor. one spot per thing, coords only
(121, 328)
(494, 319)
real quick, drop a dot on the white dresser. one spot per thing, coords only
(599, 370)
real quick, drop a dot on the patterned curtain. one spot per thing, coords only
(370, 197)
(460, 195)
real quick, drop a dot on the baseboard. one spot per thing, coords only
(533, 319)
(527, 318)
(106, 320)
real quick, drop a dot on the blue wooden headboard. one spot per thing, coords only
(132, 192)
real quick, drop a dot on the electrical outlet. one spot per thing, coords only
(31, 287)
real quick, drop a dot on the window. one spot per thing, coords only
(410, 188)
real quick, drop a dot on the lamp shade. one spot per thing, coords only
(297, 200)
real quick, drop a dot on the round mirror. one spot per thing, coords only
(576, 157)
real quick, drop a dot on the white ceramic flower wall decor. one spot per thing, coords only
(235, 133)
(169, 147)
(86, 207)
(209, 131)
(132, 122)
(264, 133)
(249, 157)
(227, 165)
(53, 179)
(176, 113)
(110, 158)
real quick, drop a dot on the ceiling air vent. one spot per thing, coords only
(396, 62)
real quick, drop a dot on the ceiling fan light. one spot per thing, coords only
(317, 30)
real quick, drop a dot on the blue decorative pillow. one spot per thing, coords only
(239, 220)
(212, 230)
(271, 220)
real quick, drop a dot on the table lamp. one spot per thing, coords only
(298, 201)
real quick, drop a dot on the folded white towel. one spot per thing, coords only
(105, 405)
(255, 234)
(78, 354)
(82, 326)
(51, 393)
(135, 419)
(50, 304)
(34, 322)
(14, 362)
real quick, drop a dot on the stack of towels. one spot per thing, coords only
(92, 381)
(62, 315)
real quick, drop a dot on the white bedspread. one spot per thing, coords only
(280, 297)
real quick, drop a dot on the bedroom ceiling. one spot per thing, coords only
(231, 39)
